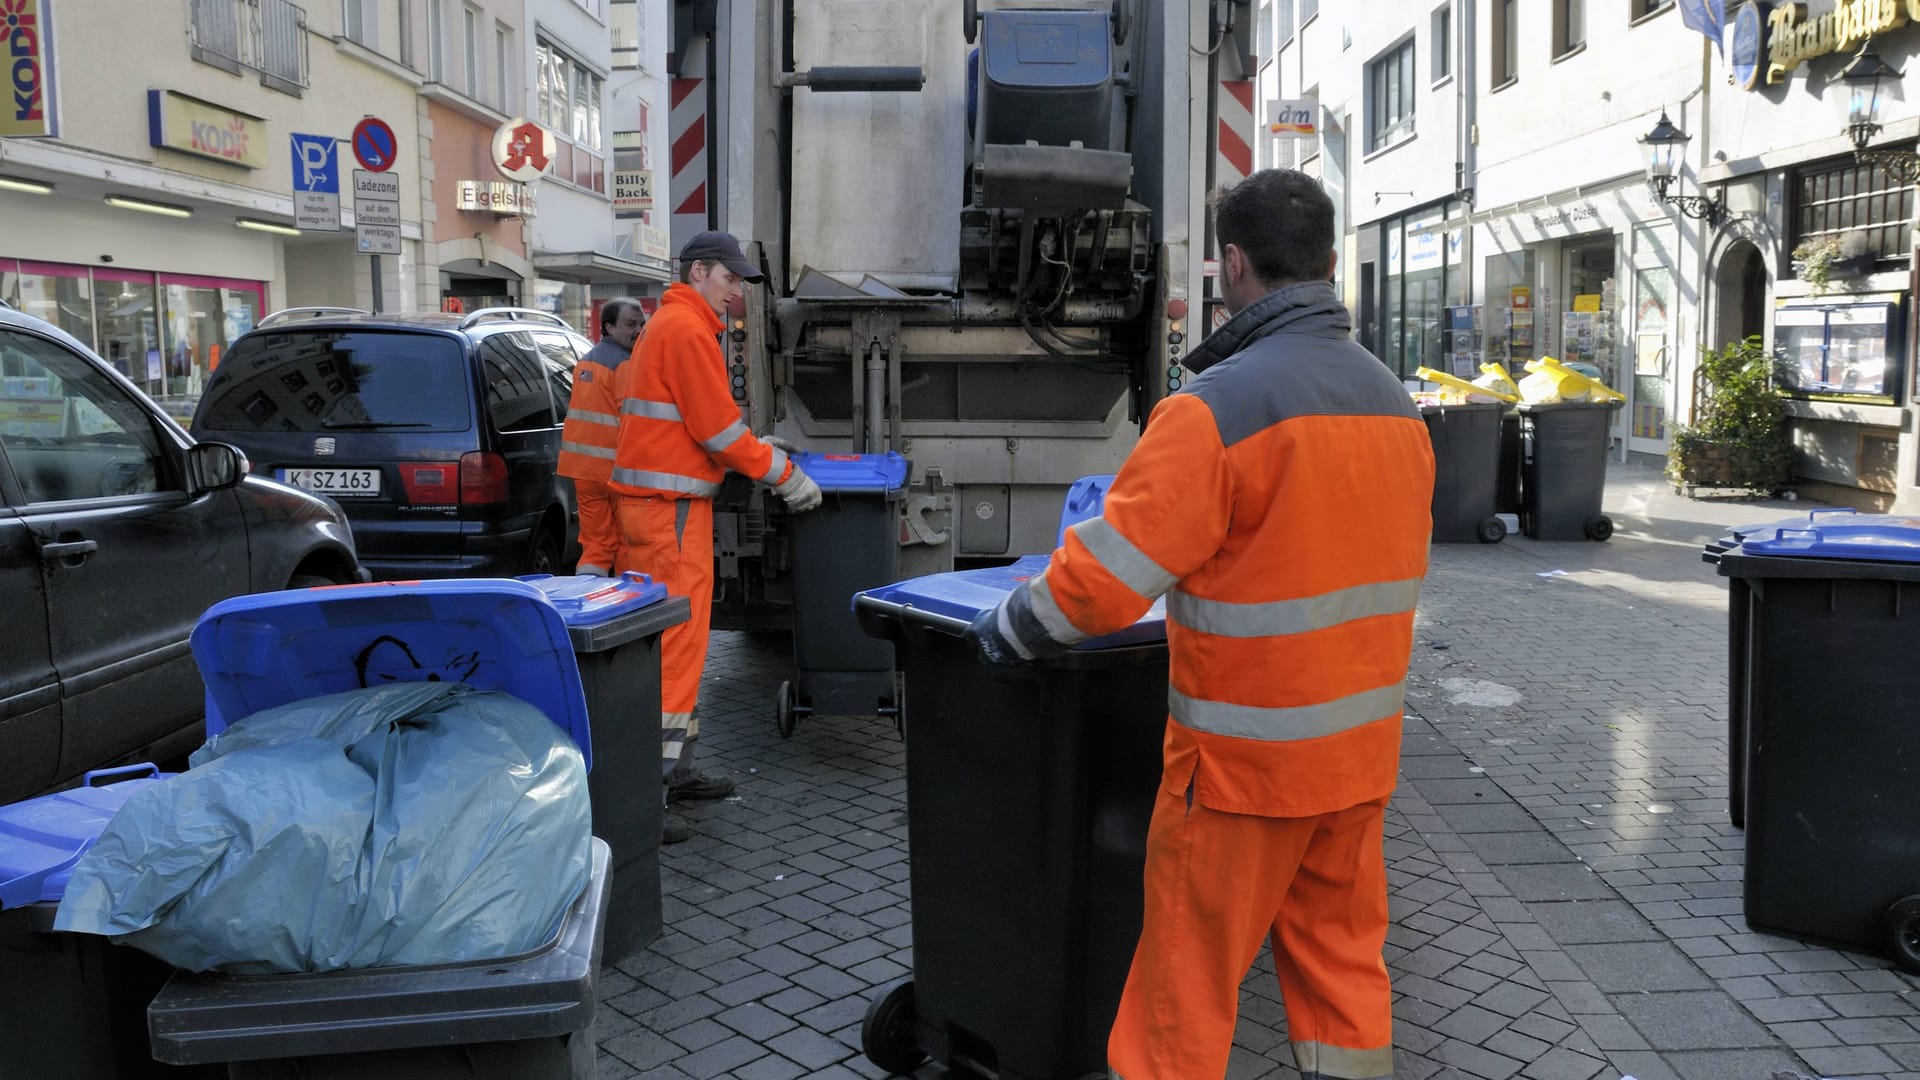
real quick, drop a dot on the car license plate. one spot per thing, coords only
(334, 481)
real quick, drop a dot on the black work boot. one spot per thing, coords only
(675, 831)
(694, 784)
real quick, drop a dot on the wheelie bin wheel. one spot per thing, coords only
(1902, 926)
(784, 716)
(886, 1035)
(1492, 530)
(1599, 527)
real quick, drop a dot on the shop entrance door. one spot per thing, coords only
(1650, 390)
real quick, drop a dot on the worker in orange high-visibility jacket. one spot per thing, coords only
(593, 430)
(680, 431)
(1281, 505)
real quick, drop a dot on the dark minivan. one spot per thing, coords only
(438, 434)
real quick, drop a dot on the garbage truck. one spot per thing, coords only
(983, 224)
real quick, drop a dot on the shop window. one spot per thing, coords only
(1425, 275)
(59, 293)
(1442, 49)
(1569, 26)
(1390, 97)
(1841, 349)
(1506, 42)
(1859, 206)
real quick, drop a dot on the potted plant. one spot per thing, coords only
(1739, 437)
(1820, 260)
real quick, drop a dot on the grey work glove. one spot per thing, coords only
(775, 440)
(799, 491)
(984, 635)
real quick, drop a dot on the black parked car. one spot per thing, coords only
(439, 434)
(117, 531)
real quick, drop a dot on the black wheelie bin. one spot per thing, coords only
(1739, 602)
(851, 542)
(1466, 463)
(1028, 799)
(1564, 470)
(525, 1017)
(615, 626)
(1832, 782)
(81, 1001)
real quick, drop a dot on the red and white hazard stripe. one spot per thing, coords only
(1234, 157)
(687, 186)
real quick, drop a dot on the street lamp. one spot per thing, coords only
(1665, 149)
(1871, 85)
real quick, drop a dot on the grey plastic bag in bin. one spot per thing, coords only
(414, 823)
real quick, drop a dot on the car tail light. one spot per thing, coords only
(483, 478)
(436, 484)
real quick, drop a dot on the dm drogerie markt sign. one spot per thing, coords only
(26, 47)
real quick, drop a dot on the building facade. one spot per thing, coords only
(159, 212)
(155, 221)
(1486, 159)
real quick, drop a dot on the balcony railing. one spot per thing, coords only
(267, 36)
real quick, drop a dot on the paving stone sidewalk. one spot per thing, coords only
(1565, 885)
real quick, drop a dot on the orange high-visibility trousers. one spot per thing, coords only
(1218, 883)
(599, 537)
(672, 540)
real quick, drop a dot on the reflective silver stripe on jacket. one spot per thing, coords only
(661, 481)
(1288, 723)
(591, 417)
(779, 466)
(1225, 618)
(1343, 1062)
(652, 410)
(587, 450)
(726, 437)
(1121, 558)
(1047, 610)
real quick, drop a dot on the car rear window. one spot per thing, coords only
(340, 380)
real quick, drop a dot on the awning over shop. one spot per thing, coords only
(597, 267)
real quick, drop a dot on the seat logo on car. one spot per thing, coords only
(323, 445)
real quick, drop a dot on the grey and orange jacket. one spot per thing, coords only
(1282, 505)
(680, 429)
(592, 429)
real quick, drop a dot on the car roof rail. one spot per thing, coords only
(312, 312)
(515, 313)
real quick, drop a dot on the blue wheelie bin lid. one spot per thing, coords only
(964, 594)
(589, 600)
(1732, 538)
(1870, 537)
(259, 652)
(872, 474)
(41, 839)
(1085, 499)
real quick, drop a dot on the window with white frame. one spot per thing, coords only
(360, 22)
(1390, 96)
(624, 20)
(567, 98)
(1569, 26)
(406, 32)
(1442, 47)
(503, 85)
(470, 51)
(437, 40)
(1284, 21)
(1308, 9)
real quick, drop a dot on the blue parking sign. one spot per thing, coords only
(316, 163)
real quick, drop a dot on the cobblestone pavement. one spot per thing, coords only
(1566, 885)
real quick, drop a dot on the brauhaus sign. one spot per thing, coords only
(1794, 36)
